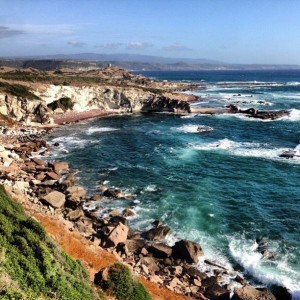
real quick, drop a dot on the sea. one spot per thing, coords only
(226, 189)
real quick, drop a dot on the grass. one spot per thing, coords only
(122, 285)
(31, 265)
(17, 90)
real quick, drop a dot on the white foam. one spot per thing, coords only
(246, 149)
(188, 128)
(100, 129)
(150, 188)
(275, 271)
(193, 128)
(188, 116)
(294, 115)
(221, 144)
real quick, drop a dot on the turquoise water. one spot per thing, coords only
(224, 188)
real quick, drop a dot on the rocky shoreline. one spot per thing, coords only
(51, 188)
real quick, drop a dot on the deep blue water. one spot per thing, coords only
(223, 189)
(225, 75)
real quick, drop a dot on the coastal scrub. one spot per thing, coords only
(31, 265)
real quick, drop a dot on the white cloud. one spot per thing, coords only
(138, 45)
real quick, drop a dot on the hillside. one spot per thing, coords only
(31, 265)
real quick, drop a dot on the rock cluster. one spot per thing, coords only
(258, 114)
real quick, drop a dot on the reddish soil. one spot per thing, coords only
(94, 258)
(80, 116)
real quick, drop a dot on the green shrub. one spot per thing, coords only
(64, 103)
(123, 285)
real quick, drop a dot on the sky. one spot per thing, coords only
(231, 31)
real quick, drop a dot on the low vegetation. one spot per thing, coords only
(17, 90)
(31, 265)
(64, 103)
(122, 285)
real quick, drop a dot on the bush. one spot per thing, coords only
(17, 90)
(64, 103)
(123, 285)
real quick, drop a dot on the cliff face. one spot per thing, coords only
(80, 99)
(110, 98)
(36, 97)
(24, 110)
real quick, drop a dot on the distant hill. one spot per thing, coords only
(123, 57)
(130, 62)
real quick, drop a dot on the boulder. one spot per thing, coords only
(157, 233)
(55, 199)
(118, 219)
(127, 212)
(281, 293)
(136, 245)
(160, 250)
(117, 235)
(150, 262)
(76, 193)
(156, 279)
(53, 175)
(38, 161)
(250, 293)
(74, 215)
(187, 251)
(59, 166)
(96, 198)
(214, 291)
(70, 180)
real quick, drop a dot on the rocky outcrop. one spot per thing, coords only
(258, 114)
(27, 111)
(110, 98)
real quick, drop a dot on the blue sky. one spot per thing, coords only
(234, 31)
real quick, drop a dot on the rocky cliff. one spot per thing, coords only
(34, 97)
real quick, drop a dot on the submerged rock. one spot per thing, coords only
(288, 154)
(203, 128)
(254, 113)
